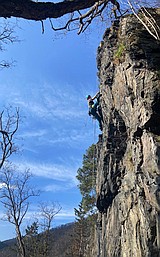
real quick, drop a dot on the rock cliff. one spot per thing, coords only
(128, 176)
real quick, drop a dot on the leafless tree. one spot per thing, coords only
(9, 123)
(7, 36)
(39, 238)
(15, 194)
(48, 211)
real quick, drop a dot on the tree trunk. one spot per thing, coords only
(20, 242)
(40, 10)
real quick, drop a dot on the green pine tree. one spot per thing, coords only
(81, 231)
(32, 240)
(87, 179)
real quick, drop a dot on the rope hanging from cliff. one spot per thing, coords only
(94, 153)
(94, 148)
(94, 131)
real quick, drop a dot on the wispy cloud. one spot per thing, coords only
(31, 133)
(60, 111)
(51, 171)
(50, 101)
(66, 213)
(69, 137)
(58, 188)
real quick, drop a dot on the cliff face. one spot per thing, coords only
(128, 176)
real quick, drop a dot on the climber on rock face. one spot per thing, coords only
(94, 109)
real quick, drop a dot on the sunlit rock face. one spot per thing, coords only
(128, 176)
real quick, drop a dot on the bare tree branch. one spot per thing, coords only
(9, 123)
(146, 18)
(39, 11)
(83, 20)
(6, 64)
(7, 36)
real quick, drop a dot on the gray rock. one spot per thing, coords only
(128, 175)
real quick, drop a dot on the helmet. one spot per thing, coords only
(88, 96)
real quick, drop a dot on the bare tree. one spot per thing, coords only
(7, 36)
(15, 194)
(48, 211)
(38, 238)
(9, 123)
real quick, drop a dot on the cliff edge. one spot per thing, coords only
(128, 176)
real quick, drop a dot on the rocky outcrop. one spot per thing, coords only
(128, 176)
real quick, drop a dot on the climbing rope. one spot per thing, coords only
(94, 153)
(86, 122)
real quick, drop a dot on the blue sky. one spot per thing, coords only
(52, 75)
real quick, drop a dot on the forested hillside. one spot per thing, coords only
(61, 239)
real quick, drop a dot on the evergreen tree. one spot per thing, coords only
(85, 213)
(81, 232)
(87, 179)
(32, 240)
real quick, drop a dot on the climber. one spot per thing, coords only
(94, 109)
